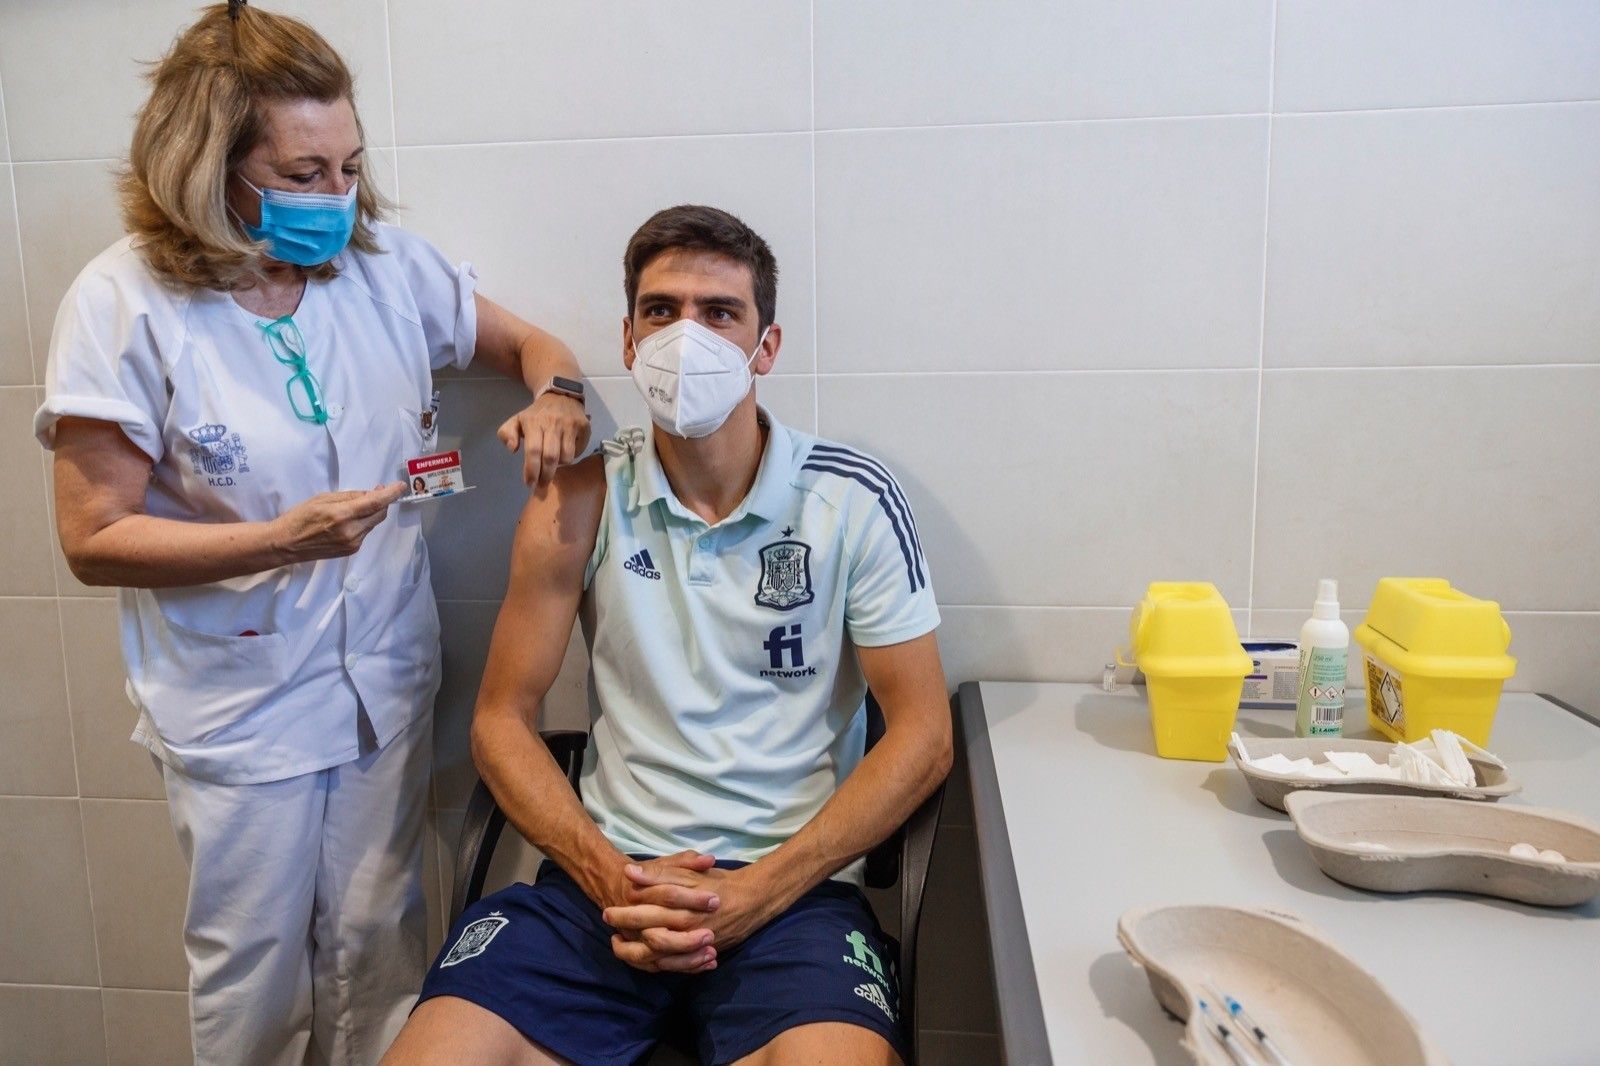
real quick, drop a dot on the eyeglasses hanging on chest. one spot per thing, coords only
(288, 347)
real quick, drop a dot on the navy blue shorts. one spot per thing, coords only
(540, 957)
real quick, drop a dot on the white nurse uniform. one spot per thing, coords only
(290, 709)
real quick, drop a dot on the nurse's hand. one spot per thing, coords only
(332, 524)
(552, 432)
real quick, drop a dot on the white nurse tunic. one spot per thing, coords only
(188, 376)
(290, 709)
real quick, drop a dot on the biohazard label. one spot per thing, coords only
(1384, 695)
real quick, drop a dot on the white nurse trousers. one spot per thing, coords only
(306, 929)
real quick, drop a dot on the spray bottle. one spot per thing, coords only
(1324, 648)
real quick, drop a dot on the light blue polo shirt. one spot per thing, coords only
(725, 696)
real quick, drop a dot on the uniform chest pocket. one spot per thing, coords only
(420, 428)
(198, 685)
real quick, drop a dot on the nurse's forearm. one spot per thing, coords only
(101, 480)
(139, 551)
(519, 349)
(144, 552)
(543, 356)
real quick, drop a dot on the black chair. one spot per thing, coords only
(903, 858)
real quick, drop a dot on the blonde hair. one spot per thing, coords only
(204, 115)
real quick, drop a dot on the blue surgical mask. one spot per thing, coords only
(303, 228)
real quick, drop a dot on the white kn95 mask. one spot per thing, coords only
(691, 377)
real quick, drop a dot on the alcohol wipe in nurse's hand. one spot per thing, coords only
(432, 476)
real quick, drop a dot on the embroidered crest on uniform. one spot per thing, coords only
(785, 575)
(428, 420)
(474, 938)
(215, 454)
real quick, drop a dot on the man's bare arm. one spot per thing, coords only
(555, 536)
(902, 769)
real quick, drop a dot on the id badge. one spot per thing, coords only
(432, 476)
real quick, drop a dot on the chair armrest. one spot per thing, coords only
(485, 821)
(480, 832)
(916, 856)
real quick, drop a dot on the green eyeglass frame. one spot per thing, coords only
(288, 347)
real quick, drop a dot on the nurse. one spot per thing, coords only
(233, 392)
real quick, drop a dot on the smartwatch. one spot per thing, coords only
(565, 387)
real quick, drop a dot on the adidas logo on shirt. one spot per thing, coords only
(874, 995)
(643, 565)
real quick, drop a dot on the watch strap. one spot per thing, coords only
(564, 387)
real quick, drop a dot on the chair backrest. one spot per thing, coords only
(484, 822)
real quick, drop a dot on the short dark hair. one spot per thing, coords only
(704, 229)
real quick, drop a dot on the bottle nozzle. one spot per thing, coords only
(1327, 605)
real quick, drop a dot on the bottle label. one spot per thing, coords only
(1319, 711)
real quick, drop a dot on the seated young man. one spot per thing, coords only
(741, 585)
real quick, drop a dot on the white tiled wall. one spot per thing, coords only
(1255, 291)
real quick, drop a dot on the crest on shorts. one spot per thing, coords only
(474, 938)
(785, 575)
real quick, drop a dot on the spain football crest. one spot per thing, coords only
(214, 454)
(475, 938)
(785, 576)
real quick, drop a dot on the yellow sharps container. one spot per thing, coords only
(1185, 642)
(1435, 659)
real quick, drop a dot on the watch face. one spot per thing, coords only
(561, 384)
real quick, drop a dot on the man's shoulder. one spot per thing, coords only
(845, 476)
(580, 484)
(563, 517)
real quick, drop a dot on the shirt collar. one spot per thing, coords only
(766, 498)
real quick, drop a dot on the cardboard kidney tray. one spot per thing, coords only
(1492, 781)
(1315, 1002)
(1416, 844)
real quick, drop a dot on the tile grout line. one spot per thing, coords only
(1121, 608)
(55, 580)
(477, 379)
(1201, 116)
(394, 125)
(394, 148)
(1261, 336)
(83, 825)
(93, 988)
(80, 800)
(996, 124)
(22, 264)
(1088, 120)
(816, 340)
(613, 139)
(1128, 370)
(77, 770)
